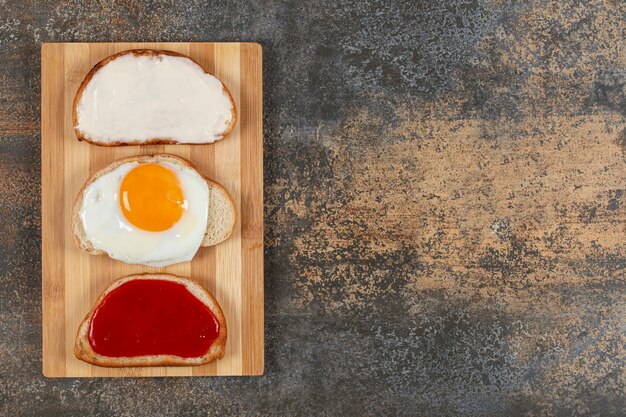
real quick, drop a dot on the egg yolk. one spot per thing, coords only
(151, 197)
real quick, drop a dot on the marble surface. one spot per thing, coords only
(445, 207)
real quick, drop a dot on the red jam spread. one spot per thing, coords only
(152, 317)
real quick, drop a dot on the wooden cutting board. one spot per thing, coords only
(232, 270)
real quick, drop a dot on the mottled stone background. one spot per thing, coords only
(445, 207)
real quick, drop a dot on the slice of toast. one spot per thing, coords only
(221, 214)
(84, 351)
(134, 115)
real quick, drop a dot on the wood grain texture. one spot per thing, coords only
(232, 271)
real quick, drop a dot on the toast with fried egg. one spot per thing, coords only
(221, 211)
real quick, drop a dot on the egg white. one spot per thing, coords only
(108, 230)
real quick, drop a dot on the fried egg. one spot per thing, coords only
(151, 213)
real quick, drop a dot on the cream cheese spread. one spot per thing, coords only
(137, 98)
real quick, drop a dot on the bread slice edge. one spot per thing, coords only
(154, 141)
(84, 352)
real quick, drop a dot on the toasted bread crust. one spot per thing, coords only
(155, 141)
(84, 351)
(77, 224)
